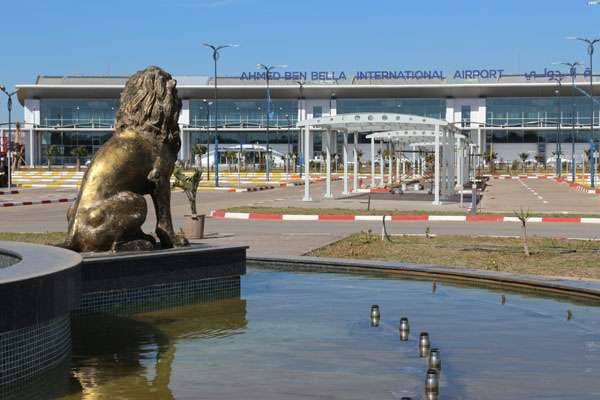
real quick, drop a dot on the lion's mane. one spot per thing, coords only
(150, 104)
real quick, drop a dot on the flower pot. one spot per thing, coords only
(193, 226)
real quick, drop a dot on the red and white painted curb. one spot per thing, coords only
(361, 218)
(8, 192)
(37, 202)
(516, 177)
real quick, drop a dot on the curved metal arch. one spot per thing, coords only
(376, 122)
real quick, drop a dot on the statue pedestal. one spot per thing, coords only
(125, 283)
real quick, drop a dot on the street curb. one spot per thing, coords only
(37, 202)
(9, 192)
(221, 214)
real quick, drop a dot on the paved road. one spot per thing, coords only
(538, 195)
(293, 238)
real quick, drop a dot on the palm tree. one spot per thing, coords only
(490, 158)
(359, 154)
(229, 155)
(523, 217)
(199, 149)
(524, 157)
(51, 152)
(79, 152)
(541, 159)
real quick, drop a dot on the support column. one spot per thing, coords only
(328, 194)
(345, 191)
(414, 162)
(398, 160)
(372, 162)
(356, 169)
(381, 162)
(31, 155)
(390, 164)
(452, 162)
(436, 169)
(306, 158)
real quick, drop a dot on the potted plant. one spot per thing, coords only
(193, 226)
(79, 152)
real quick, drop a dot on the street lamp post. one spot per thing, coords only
(301, 154)
(590, 49)
(9, 152)
(215, 55)
(558, 80)
(573, 72)
(207, 104)
(289, 150)
(268, 69)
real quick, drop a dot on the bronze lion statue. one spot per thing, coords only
(137, 160)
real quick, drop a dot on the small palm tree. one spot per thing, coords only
(524, 157)
(199, 149)
(540, 159)
(51, 152)
(523, 217)
(229, 157)
(189, 184)
(79, 152)
(490, 157)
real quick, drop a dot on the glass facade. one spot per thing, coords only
(538, 111)
(244, 120)
(78, 113)
(433, 108)
(246, 137)
(545, 136)
(244, 113)
(67, 141)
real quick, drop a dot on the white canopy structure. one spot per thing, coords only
(400, 132)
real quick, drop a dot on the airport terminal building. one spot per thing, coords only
(506, 114)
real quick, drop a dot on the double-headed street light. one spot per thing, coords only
(573, 72)
(558, 152)
(215, 55)
(9, 152)
(590, 49)
(268, 69)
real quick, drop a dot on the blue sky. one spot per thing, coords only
(61, 37)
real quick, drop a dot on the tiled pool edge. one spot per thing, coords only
(37, 295)
(40, 293)
(134, 282)
(569, 288)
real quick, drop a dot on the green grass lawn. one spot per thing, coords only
(49, 238)
(550, 257)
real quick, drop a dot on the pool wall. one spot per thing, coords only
(37, 294)
(136, 282)
(578, 289)
(42, 286)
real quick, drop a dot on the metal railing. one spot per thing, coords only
(543, 120)
(243, 122)
(77, 123)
